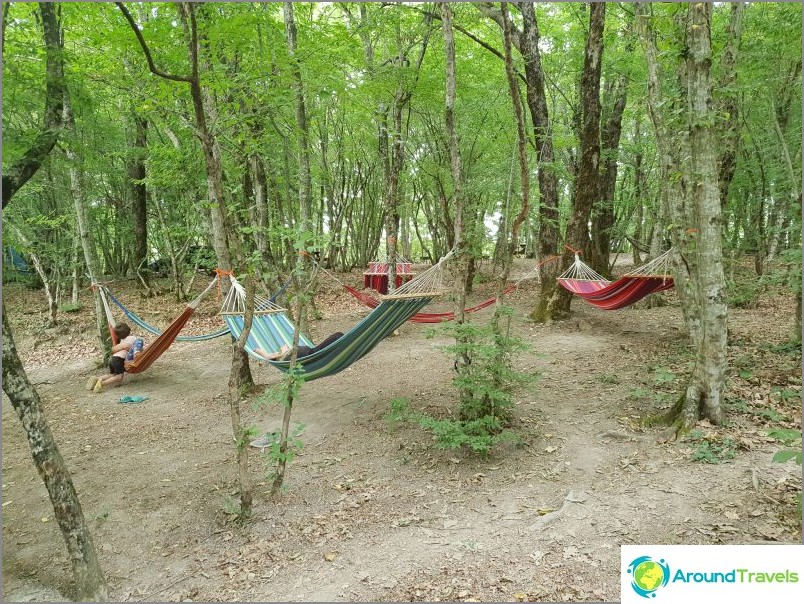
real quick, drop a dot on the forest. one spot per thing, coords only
(550, 253)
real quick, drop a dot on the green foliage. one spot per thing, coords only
(789, 438)
(70, 307)
(234, 511)
(791, 347)
(479, 435)
(608, 378)
(273, 448)
(788, 395)
(710, 448)
(662, 375)
(489, 379)
(744, 293)
(770, 414)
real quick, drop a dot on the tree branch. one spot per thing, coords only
(471, 36)
(146, 50)
(24, 168)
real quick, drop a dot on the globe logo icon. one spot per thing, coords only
(648, 575)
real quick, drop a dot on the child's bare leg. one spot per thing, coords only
(112, 380)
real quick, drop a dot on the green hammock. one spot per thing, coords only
(271, 331)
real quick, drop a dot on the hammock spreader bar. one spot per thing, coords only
(421, 317)
(585, 283)
(349, 348)
(156, 348)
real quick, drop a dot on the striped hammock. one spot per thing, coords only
(156, 348)
(271, 328)
(585, 283)
(142, 324)
(421, 317)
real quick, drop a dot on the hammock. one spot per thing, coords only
(141, 323)
(421, 317)
(438, 317)
(584, 282)
(154, 350)
(271, 328)
(376, 276)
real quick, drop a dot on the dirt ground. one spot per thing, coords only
(373, 511)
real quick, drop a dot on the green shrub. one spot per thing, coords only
(477, 435)
(69, 307)
(710, 448)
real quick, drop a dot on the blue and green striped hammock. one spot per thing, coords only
(272, 329)
(142, 324)
(270, 332)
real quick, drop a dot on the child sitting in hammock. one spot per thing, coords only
(127, 349)
(284, 353)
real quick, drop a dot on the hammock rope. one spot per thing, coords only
(156, 348)
(271, 328)
(440, 317)
(142, 324)
(583, 281)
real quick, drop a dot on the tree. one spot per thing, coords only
(209, 143)
(587, 183)
(26, 166)
(704, 396)
(89, 579)
(548, 179)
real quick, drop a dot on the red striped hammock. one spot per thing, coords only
(585, 283)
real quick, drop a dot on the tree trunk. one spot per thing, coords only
(704, 394)
(139, 196)
(522, 154)
(19, 172)
(729, 107)
(89, 580)
(241, 434)
(673, 205)
(461, 264)
(548, 181)
(639, 187)
(85, 232)
(305, 182)
(587, 187)
(76, 275)
(603, 216)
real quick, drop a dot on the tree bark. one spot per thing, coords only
(673, 204)
(89, 580)
(729, 107)
(548, 180)
(19, 172)
(704, 394)
(587, 186)
(139, 195)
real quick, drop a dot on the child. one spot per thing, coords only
(117, 362)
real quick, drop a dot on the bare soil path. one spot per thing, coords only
(374, 511)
